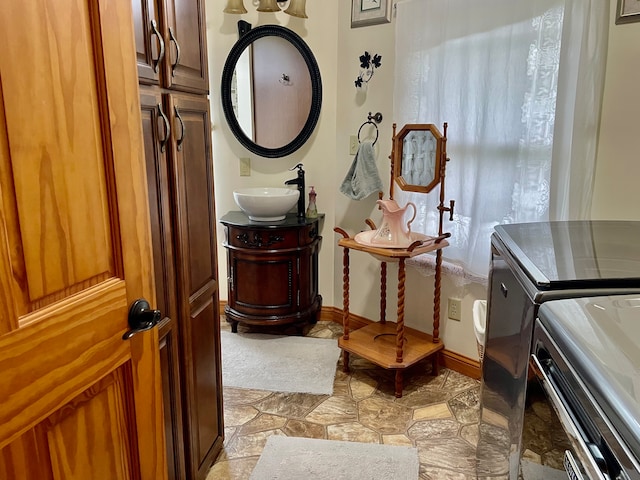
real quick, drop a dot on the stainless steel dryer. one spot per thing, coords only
(532, 263)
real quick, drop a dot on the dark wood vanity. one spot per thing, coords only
(272, 270)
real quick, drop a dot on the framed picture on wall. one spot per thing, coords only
(370, 12)
(628, 11)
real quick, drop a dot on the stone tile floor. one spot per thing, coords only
(437, 415)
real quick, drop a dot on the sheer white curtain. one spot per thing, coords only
(519, 84)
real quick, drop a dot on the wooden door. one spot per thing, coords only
(77, 400)
(156, 128)
(150, 46)
(197, 274)
(186, 65)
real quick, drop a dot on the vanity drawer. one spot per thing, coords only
(271, 239)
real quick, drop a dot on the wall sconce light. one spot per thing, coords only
(296, 8)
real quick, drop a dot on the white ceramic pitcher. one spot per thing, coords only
(393, 232)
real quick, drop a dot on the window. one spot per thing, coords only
(498, 72)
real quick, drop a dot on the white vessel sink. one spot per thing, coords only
(266, 204)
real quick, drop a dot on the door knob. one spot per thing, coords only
(141, 318)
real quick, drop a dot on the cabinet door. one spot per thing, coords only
(264, 284)
(185, 36)
(150, 46)
(77, 400)
(156, 134)
(196, 265)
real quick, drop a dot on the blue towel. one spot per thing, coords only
(362, 179)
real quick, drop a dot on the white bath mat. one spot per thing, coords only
(292, 458)
(279, 363)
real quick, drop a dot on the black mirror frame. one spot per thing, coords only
(316, 90)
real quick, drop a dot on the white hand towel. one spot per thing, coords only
(362, 179)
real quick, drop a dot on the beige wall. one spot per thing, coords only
(326, 158)
(616, 190)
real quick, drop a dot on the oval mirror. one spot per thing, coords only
(417, 155)
(271, 91)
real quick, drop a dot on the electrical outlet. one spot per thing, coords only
(245, 167)
(353, 144)
(455, 309)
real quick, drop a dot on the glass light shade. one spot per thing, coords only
(235, 6)
(268, 6)
(296, 8)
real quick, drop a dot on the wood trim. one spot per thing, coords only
(461, 364)
(451, 360)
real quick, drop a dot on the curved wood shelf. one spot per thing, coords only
(377, 343)
(393, 253)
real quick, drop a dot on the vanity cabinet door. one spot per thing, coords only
(265, 285)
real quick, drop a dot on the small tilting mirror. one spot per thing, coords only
(418, 151)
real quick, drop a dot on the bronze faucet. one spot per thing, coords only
(299, 181)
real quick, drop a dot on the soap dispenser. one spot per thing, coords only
(312, 210)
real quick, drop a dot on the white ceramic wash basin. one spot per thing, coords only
(266, 204)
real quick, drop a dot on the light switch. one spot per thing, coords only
(245, 167)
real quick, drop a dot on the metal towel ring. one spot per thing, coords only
(373, 120)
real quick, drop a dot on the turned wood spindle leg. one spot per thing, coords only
(345, 307)
(435, 364)
(436, 298)
(345, 361)
(345, 294)
(399, 383)
(400, 325)
(383, 292)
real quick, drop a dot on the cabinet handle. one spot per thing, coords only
(154, 31)
(181, 139)
(172, 38)
(167, 129)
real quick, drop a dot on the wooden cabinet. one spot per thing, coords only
(176, 128)
(155, 136)
(272, 270)
(171, 44)
(172, 70)
(197, 276)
